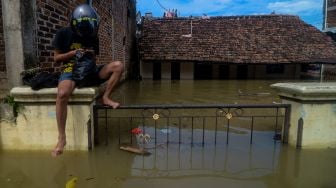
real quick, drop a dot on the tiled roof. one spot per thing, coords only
(235, 39)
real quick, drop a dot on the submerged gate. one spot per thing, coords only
(191, 124)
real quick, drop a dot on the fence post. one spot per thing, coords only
(286, 125)
(299, 133)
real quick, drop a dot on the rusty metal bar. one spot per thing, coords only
(106, 133)
(131, 123)
(203, 131)
(216, 128)
(192, 131)
(193, 106)
(276, 122)
(180, 121)
(228, 130)
(252, 124)
(155, 134)
(167, 134)
(119, 131)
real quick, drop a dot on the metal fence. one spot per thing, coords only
(192, 124)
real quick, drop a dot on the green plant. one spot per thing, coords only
(16, 106)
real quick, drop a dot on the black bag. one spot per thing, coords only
(42, 80)
(84, 71)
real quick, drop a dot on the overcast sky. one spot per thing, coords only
(308, 10)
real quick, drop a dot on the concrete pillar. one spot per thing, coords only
(28, 29)
(233, 71)
(166, 71)
(146, 70)
(36, 128)
(187, 71)
(297, 73)
(313, 113)
(215, 71)
(13, 40)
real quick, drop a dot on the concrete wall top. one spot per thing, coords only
(307, 91)
(26, 94)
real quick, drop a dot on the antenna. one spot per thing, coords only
(190, 34)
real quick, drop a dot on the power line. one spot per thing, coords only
(161, 5)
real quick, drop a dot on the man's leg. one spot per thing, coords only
(65, 88)
(113, 72)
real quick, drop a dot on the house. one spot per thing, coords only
(231, 47)
(329, 15)
(329, 27)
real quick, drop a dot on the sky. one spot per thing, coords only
(308, 10)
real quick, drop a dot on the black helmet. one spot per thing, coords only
(85, 21)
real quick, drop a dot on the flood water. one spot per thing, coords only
(197, 92)
(264, 163)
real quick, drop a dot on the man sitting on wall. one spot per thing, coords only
(75, 45)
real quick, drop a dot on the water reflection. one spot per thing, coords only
(239, 160)
(257, 165)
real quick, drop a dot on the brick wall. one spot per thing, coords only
(2, 45)
(51, 16)
(331, 18)
(115, 33)
(331, 14)
(331, 3)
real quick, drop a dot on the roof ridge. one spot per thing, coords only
(229, 17)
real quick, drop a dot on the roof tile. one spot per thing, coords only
(236, 39)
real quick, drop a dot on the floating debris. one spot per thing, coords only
(71, 183)
(240, 93)
(135, 150)
(166, 131)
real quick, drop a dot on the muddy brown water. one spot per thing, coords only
(264, 163)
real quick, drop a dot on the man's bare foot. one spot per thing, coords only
(109, 102)
(58, 150)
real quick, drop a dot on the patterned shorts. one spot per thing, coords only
(67, 75)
